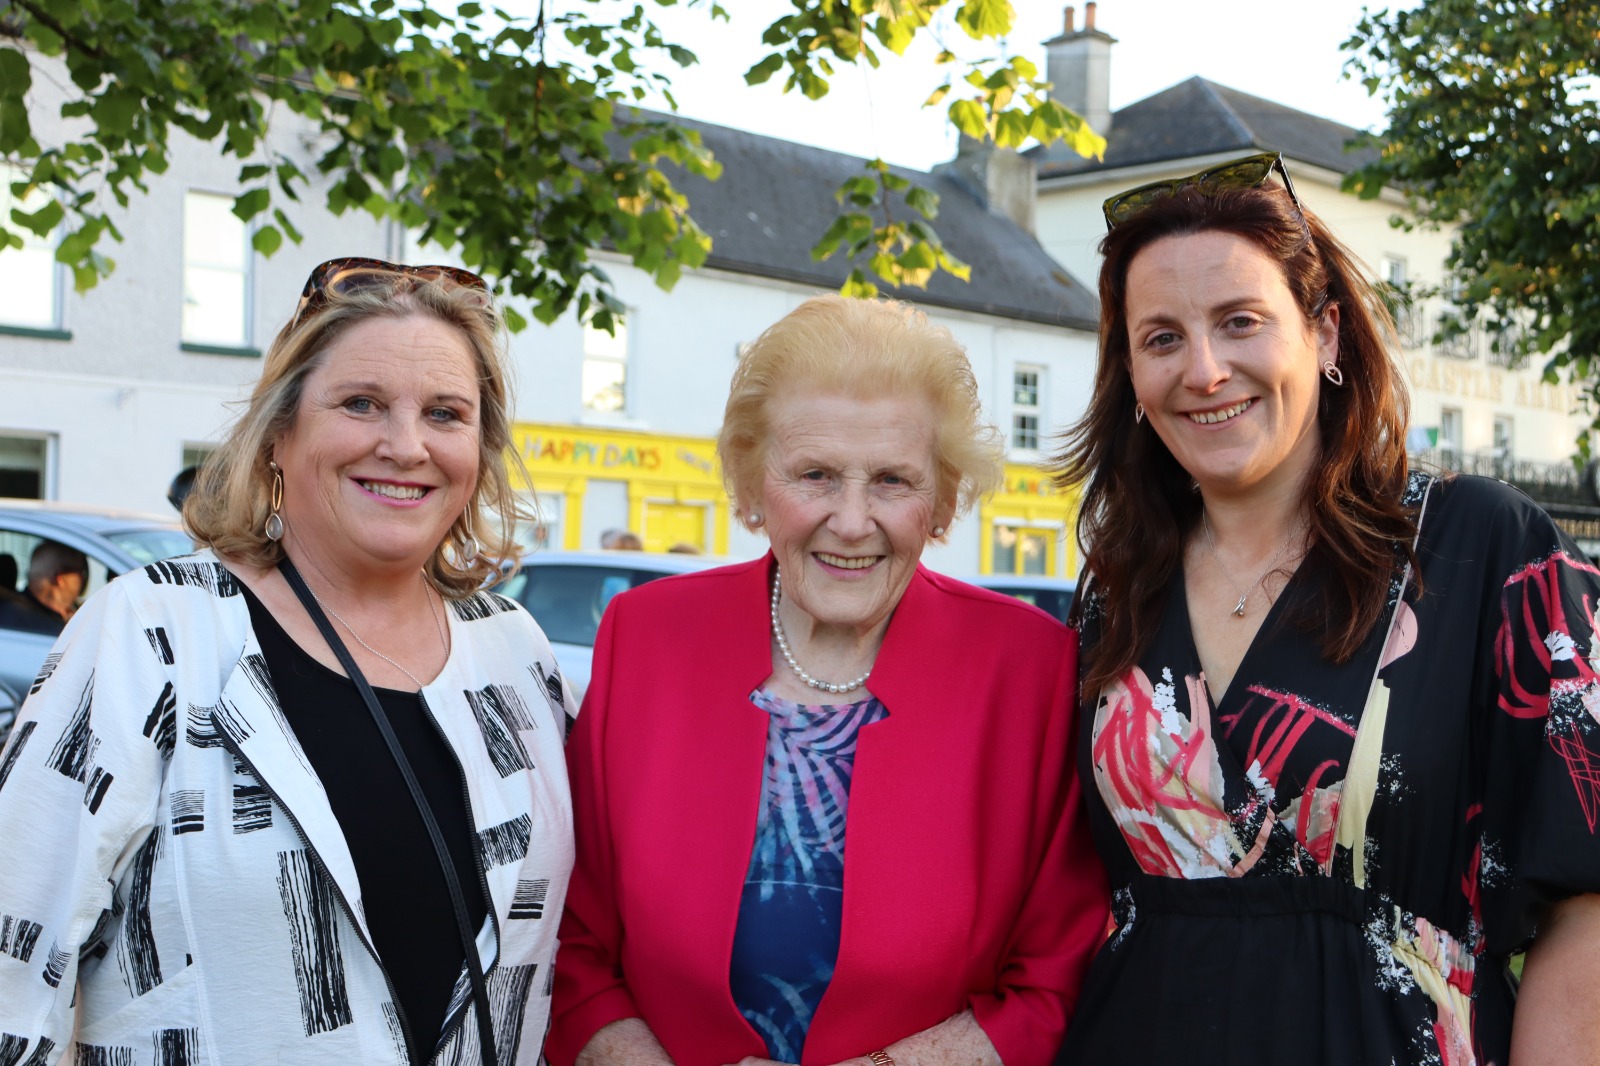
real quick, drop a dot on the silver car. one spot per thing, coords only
(114, 542)
(567, 592)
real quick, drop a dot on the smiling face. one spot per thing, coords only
(383, 454)
(1226, 366)
(849, 498)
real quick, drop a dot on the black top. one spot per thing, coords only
(21, 610)
(404, 895)
(1319, 869)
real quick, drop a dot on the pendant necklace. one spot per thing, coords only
(1244, 596)
(437, 623)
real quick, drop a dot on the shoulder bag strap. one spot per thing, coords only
(480, 989)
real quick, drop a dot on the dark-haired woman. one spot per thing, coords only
(1342, 719)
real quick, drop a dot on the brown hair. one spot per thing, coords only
(1139, 503)
(861, 348)
(228, 507)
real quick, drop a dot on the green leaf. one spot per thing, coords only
(986, 18)
(252, 202)
(764, 70)
(267, 239)
(42, 221)
(968, 117)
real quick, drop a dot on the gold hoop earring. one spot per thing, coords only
(273, 530)
(469, 543)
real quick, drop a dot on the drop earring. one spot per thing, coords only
(1331, 371)
(1138, 413)
(469, 543)
(273, 530)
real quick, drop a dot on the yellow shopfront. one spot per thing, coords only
(1028, 526)
(673, 485)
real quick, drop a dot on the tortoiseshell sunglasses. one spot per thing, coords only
(350, 273)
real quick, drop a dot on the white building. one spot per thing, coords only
(104, 396)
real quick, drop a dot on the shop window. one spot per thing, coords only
(605, 368)
(30, 277)
(216, 273)
(1023, 550)
(1025, 408)
(24, 467)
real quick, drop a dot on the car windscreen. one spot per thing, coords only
(151, 545)
(568, 600)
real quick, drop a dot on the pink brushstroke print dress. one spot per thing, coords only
(1324, 867)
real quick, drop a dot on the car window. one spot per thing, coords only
(16, 549)
(1054, 602)
(568, 600)
(152, 545)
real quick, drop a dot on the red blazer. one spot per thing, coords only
(970, 878)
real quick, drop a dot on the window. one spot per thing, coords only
(24, 467)
(1397, 291)
(1023, 550)
(605, 368)
(1451, 432)
(216, 273)
(30, 278)
(1025, 408)
(1504, 437)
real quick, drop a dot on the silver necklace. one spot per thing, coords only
(788, 656)
(1211, 545)
(437, 623)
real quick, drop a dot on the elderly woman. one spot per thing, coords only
(720, 909)
(1341, 718)
(299, 797)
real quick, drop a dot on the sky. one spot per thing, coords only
(1282, 50)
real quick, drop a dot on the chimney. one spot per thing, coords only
(1078, 65)
(1001, 178)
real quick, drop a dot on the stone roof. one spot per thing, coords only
(1201, 118)
(775, 199)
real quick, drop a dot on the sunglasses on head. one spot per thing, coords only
(1251, 172)
(353, 273)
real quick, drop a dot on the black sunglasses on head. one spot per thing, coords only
(352, 273)
(1250, 172)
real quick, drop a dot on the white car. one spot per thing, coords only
(567, 592)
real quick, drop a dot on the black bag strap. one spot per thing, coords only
(469, 944)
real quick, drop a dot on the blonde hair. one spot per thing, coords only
(862, 349)
(228, 508)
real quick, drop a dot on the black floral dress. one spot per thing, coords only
(1333, 864)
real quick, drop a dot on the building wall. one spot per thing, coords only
(1460, 382)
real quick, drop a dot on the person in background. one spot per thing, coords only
(292, 797)
(719, 910)
(1342, 718)
(57, 576)
(621, 540)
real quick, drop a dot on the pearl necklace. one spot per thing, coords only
(437, 623)
(788, 656)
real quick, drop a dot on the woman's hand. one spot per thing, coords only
(1558, 1016)
(957, 1041)
(625, 1042)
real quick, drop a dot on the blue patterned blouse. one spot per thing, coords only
(787, 940)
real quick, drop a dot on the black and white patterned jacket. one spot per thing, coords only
(175, 888)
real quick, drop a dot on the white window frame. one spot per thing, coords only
(48, 463)
(244, 269)
(607, 349)
(34, 248)
(1020, 410)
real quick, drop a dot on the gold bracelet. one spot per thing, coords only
(881, 1058)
